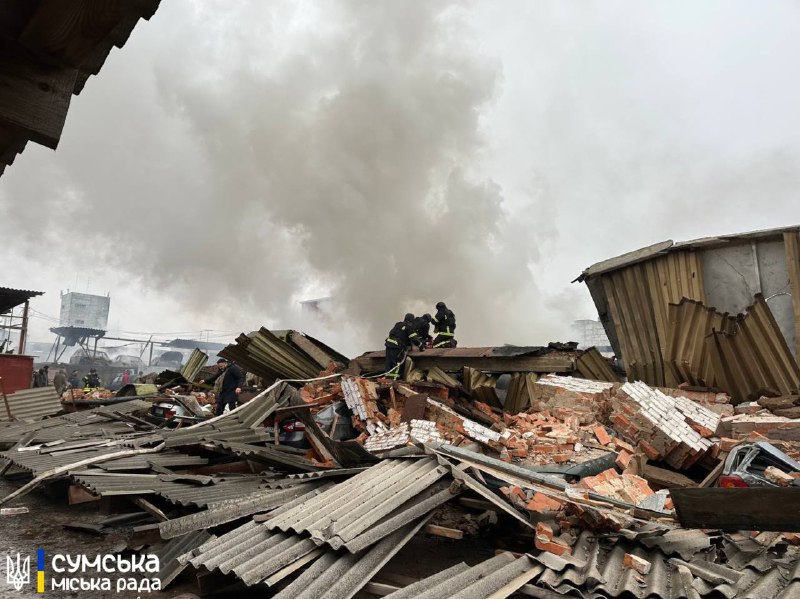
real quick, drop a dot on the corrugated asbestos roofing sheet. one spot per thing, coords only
(595, 569)
(497, 577)
(31, 404)
(169, 552)
(280, 354)
(235, 507)
(179, 491)
(270, 454)
(252, 552)
(349, 509)
(98, 422)
(342, 575)
(37, 463)
(592, 365)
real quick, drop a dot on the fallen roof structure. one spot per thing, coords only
(633, 293)
(283, 355)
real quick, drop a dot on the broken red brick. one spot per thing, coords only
(642, 566)
(651, 452)
(623, 459)
(620, 444)
(555, 547)
(542, 503)
(601, 434)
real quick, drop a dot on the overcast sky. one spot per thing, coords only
(235, 158)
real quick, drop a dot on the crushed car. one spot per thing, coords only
(754, 465)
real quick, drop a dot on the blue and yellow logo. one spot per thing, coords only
(40, 570)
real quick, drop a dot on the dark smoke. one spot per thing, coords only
(347, 162)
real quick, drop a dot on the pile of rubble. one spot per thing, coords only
(319, 489)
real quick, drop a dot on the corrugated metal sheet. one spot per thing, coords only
(791, 241)
(497, 577)
(632, 292)
(520, 392)
(755, 356)
(638, 297)
(31, 404)
(688, 354)
(592, 365)
(339, 515)
(279, 354)
(197, 359)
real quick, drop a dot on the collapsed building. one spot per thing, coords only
(536, 471)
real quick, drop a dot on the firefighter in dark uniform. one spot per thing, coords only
(422, 327)
(397, 344)
(444, 325)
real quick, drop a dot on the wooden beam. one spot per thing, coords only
(442, 531)
(752, 508)
(150, 509)
(477, 504)
(666, 479)
(77, 494)
(34, 97)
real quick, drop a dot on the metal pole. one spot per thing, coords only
(5, 400)
(150, 360)
(24, 331)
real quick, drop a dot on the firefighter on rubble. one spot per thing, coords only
(422, 327)
(444, 325)
(397, 344)
(91, 380)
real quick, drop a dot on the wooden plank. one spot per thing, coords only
(34, 98)
(791, 241)
(150, 509)
(476, 504)
(443, 531)
(752, 508)
(77, 494)
(715, 473)
(66, 32)
(492, 364)
(666, 479)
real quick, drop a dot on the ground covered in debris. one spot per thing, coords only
(481, 472)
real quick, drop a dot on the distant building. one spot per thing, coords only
(590, 333)
(84, 310)
(315, 312)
